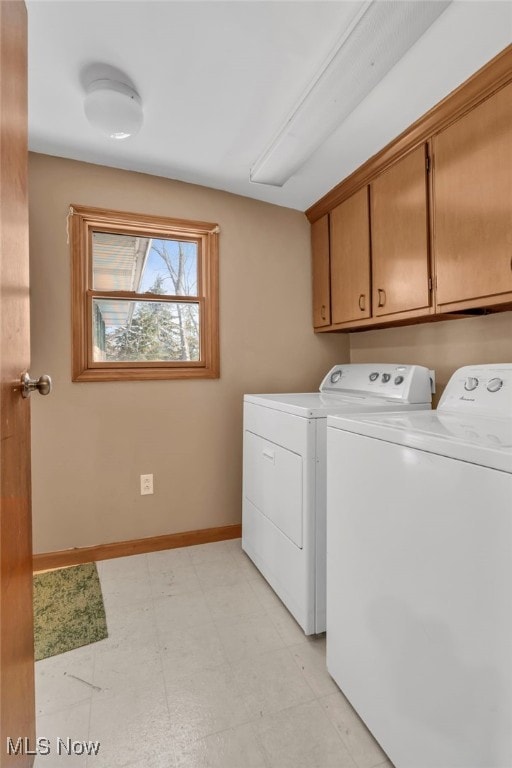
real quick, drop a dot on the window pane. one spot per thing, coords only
(144, 331)
(144, 264)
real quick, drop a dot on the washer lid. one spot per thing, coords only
(475, 439)
(316, 405)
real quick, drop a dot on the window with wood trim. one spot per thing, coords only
(144, 296)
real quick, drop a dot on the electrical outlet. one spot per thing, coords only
(146, 485)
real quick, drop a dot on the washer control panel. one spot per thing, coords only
(404, 383)
(485, 389)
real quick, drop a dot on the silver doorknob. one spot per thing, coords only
(43, 385)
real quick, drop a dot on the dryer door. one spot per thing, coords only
(273, 483)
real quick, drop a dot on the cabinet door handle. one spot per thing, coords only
(382, 297)
(362, 302)
(322, 311)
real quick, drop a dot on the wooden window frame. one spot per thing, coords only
(83, 222)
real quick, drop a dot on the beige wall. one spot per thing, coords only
(444, 346)
(91, 441)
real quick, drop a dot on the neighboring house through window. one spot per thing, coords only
(145, 296)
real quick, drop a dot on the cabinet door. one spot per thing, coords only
(321, 288)
(399, 226)
(473, 203)
(350, 259)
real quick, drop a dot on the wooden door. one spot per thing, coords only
(399, 226)
(16, 632)
(321, 286)
(473, 203)
(350, 259)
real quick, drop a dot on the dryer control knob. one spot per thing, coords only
(336, 376)
(399, 379)
(471, 383)
(494, 385)
(386, 377)
(374, 376)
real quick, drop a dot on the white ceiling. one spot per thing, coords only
(218, 79)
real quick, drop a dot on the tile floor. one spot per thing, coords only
(203, 668)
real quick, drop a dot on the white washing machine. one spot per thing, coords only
(419, 573)
(283, 510)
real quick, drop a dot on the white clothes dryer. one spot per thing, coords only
(419, 573)
(284, 464)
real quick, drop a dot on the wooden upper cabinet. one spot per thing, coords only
(399, 228)
(321, 284)
(403, 231)
(473, 206)
(350, 259)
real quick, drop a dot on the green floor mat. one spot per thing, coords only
(68, 610)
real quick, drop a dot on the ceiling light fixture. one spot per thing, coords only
(114, 108)
(377, 37)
